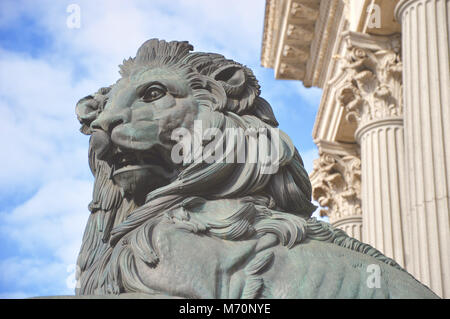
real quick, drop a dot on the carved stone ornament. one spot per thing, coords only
(288, 33)
(372, 89)
(339, 188)
(159, 227)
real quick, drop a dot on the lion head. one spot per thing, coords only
(167, 87)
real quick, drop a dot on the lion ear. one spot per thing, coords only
(86, 111)
(89, 107)
(232, 78)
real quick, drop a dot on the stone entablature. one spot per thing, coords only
(300, 35)
(289, 31)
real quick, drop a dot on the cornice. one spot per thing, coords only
(288, 32)
(325, 36)
(271, 31)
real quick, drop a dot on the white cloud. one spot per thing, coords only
(52, 221)
(48, 229)
(41, 138)
(30, 277)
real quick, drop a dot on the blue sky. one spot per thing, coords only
(45, 67)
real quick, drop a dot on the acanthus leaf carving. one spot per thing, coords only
(338, 186)
(372, 89)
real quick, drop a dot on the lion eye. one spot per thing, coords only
(152, 94)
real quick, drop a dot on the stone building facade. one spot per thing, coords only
(383, 124)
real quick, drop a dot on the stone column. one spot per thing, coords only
(426, 78)
(383, 190)
(372, 96)
(336, 182)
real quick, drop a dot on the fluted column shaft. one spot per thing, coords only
(352, 226)
(426, 79)
(382, 191)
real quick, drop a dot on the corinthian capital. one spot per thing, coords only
(336, 182)
(372, 86)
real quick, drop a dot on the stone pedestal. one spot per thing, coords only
(372, 97)
(426, 79)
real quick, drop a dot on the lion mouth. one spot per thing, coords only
(124, 160)
(137, 172)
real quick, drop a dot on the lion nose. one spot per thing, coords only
(107, 121)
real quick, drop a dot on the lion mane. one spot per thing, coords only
(119, 231)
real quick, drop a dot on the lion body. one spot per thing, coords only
(215, 229)
(192, 251)
(313, 269)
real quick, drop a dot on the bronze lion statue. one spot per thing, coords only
(221, 228)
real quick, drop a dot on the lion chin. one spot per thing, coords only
(220, 229)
